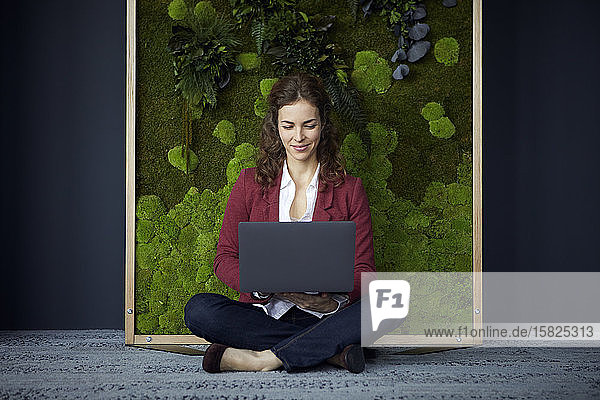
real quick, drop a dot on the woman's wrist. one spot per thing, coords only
(333, 305)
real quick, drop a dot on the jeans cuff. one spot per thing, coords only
(285, 363)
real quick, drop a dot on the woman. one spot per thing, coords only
(299, 177)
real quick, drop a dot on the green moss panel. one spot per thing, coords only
(419, 185)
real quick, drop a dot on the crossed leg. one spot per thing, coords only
(260, 342)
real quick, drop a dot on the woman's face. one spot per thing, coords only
(300, 130)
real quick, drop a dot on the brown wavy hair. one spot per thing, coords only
(287, 91)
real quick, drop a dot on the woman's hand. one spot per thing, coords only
(315, 302)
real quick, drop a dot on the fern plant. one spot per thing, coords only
(203, 53)
(346, 101)
(258, 12)
(257, 31)
(300, 42)
(353, 6)
(245, 10)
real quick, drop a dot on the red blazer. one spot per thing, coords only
(347, 202)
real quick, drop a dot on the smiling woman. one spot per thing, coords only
(298, 116)
(299, 177)
(300, 138)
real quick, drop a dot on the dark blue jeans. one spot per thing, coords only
(299, 339)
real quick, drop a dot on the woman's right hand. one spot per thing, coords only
(315, 302)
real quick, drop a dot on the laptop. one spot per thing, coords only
(313, 256)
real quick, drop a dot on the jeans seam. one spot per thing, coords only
(300, 336)
(286, 365)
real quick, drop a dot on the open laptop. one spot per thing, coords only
(313, 256)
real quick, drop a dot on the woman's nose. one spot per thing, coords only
(299, 134)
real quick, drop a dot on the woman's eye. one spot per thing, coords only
(306, 126)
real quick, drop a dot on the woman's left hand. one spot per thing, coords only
(321, 302)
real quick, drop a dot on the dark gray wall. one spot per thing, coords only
(63, 88)
(64, 155)
(541, 182)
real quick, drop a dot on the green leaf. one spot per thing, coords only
(304, 16)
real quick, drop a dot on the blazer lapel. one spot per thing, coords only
(271, 200)
(324, 202)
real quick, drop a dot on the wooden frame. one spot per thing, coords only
(130, 177)
(401, 340)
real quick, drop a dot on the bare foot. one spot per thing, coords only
(249, 360)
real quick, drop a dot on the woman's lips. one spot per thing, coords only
(300, 148)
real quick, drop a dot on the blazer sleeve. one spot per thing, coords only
(226, 264)
(364, 259)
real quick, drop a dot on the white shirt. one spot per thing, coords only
(276, 307)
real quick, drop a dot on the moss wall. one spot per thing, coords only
(419, 185)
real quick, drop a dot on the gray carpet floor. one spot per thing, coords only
(97, 364)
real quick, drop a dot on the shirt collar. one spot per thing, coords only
(286, 179)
